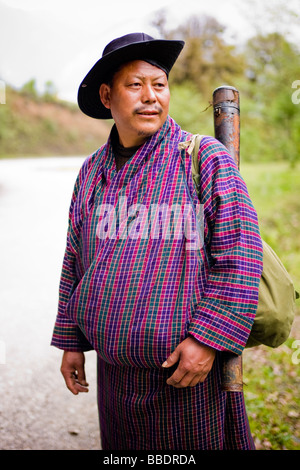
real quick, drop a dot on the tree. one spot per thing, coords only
(206, 60)
(263, 71)
(50, 93)
(29, 88)
(273, 63)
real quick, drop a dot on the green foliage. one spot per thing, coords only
(50, 93)
(274, 64)
(274, 190)
(29, 125)
(189, 108)
(29, 89)
(272, 399)
(206, 59)
(263, 71)
(272, 376)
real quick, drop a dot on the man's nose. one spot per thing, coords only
(148, 95)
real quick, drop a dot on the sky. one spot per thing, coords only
(60, 40)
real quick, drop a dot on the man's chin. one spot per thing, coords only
(150, 129)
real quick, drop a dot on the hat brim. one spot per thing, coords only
(163, 52)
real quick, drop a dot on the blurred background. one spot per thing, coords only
(46, 48)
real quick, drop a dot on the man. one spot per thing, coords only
(157, 312)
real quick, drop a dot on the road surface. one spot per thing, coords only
(36, 410)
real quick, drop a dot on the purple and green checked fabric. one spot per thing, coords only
(133, 295)
(138, 411)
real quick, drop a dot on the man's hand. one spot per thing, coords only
(72, 368)
(195, 362)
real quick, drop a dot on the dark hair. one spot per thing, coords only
(110, 75)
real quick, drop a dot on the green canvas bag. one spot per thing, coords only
(276, 298)
(276, 303)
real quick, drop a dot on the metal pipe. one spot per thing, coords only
(226, 106)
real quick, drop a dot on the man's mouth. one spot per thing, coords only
(148, 111)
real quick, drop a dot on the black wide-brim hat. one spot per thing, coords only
(136, 46)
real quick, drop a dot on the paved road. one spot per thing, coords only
(36, 410)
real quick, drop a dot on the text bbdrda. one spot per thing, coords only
(157, 459)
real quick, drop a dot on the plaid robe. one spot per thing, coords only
(134, 285)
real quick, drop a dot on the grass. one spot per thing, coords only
(272, 376)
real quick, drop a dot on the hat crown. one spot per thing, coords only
(126, 41)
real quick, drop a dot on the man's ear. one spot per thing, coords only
(104, 93)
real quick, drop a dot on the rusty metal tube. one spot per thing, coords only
(226, 107)
(232, 372)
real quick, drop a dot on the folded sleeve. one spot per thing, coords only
(225, 314)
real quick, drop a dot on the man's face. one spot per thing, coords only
(139, 99)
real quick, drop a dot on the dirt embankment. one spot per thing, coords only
(34, 126)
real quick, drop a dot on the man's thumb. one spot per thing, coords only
(172, 359)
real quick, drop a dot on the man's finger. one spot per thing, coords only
(176, 377)
(81, 387)
(196, 380)
(172, 359)
(186, 380)
(80, 377)
(73, 383)
(70, 383)
(72, 369)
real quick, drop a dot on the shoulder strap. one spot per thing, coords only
(193, 145)
(195, 163)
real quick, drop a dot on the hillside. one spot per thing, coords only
(32, 126)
